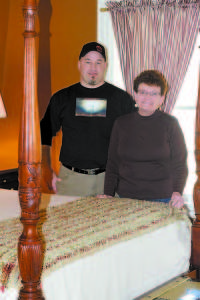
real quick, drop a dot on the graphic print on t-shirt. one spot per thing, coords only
(91, 107)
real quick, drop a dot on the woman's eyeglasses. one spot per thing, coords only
(145, 93)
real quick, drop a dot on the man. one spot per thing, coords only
(86, 112)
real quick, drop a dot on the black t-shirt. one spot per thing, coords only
(86, 117)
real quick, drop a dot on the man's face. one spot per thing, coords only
(92, 69)
(148, 98)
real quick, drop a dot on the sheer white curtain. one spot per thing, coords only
(105, 35)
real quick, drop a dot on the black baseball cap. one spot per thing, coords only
(93, 46)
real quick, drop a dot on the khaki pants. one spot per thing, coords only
(77, 184)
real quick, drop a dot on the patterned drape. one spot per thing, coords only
(155, 34)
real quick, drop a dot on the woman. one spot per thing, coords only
(147, 156)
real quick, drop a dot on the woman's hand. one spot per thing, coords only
(104, 196)
(176, 200)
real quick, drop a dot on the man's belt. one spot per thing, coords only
(85, 171)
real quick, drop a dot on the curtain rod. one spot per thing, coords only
(104, 9)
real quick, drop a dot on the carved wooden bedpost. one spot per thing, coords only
(30, 250)
(195, 261)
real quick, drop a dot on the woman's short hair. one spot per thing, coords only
(151, 77)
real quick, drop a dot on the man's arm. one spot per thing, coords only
(47, 172)
(49, 178)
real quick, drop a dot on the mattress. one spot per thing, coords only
(102, 249)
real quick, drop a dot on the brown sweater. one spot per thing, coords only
(147, 157)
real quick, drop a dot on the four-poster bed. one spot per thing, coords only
(127, 234)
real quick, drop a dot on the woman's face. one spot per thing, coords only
(148, 99)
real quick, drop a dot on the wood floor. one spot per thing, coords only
(182, 288)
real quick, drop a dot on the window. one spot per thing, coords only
(185, 107)
(185, 111)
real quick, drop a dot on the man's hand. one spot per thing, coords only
(49, 178)
(54, 180)
(46, 180)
